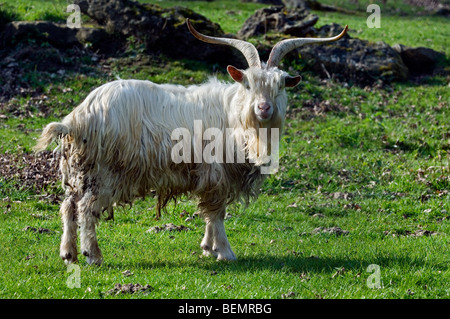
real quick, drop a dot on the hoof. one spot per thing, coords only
(227, 257)
(93, 260)
(207, 251)
(224, 253)
(68, 258)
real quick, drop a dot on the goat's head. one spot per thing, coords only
(263, 85)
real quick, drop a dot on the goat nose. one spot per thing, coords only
(264, 106)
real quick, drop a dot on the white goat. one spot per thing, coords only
(116, 145)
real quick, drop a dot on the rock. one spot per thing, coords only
(353, 60)
(100, 40)
(301, 28)
(57, 35)
(161, 30)
(123, 16)
(91, 35)
(295, 22)
(443, 11)
(349, 59)
(419, 60)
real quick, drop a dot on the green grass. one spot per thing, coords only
(376, 165)
(54, 10)
(428, 31)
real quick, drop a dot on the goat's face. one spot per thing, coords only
(263, 92)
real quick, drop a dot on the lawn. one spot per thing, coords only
(360, 207)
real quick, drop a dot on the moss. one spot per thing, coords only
(386, 67)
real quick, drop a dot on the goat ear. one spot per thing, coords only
(235, 73)
(291, 81)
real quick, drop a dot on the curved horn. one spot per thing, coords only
(248, 50)
(285, 46)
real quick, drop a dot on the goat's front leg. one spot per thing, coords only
(221, 245)
(215, 241)
(89, 213)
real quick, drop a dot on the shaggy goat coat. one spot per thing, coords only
(121, 136)
(117, 144)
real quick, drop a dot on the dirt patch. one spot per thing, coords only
(28, 171)
(39, 230)
(38, 105)
(332, 230)
(26, 67)
(409, 233)
(167, 227)
(324, 106)
(341, 195)
(129, 289)
(288, 295)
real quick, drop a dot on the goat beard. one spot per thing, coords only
(258, 148)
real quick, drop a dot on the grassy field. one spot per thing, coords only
(370, 163)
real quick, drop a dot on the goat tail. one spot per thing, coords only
(50, 133)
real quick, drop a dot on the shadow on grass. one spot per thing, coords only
(286, 264)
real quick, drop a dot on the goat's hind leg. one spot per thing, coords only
(68, 248)
(89, 210)
(208, 239)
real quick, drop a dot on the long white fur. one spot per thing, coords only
(116, 145)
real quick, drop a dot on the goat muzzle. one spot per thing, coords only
(265, 111)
